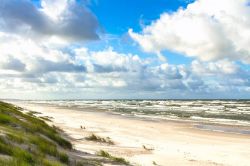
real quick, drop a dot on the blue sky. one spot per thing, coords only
(123, 15)
(53, 49)
(117, 16)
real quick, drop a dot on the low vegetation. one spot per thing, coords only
(119, 160)
(96, 138)
(46, 118)
(147, 148)
(27, 140)
(154, 163)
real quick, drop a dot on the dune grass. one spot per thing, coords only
(45, 118)
(27, 140)
(154, 163)
(119, 160)
(96, 138)
(147, 148)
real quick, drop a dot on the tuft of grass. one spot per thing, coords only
(47, 162)
(63, 157)
(46, 118)
(105, 154)
(146, 148)
(15, 138)
(32, 113)
(12, 162)
(88, 163)
(58, 139)
(96, 138)
(44, 145)
(154, 163)
(23, 155)
(5, 148)
(5, 119)
(16, 152)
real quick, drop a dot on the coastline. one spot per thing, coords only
(147, 142)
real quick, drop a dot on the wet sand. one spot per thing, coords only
(149, 142)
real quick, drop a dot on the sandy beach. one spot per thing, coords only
(148, 142)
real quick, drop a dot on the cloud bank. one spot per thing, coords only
(64, 19)
(37, 69)
(207, 29)
(43, 56)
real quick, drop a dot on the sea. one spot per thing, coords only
(234, 112)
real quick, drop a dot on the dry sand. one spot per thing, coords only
(171, 142)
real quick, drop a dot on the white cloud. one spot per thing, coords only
(109, 61)
(28, 67)
(49, 68)
(223, 67)
(206, 29)
(54, 8)
(108, 71)
(60, 19)
(35, 61)
(11, 63)
(30, 57)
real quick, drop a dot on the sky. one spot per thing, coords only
(124, 49)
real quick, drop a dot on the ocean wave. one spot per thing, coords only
(229, 111)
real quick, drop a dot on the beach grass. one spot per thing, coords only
(147, 148)
(96, 138)
(27, 140)
(119, 160)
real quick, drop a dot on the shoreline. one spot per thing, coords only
(178, 142)
(213, 126)
(223, 119)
